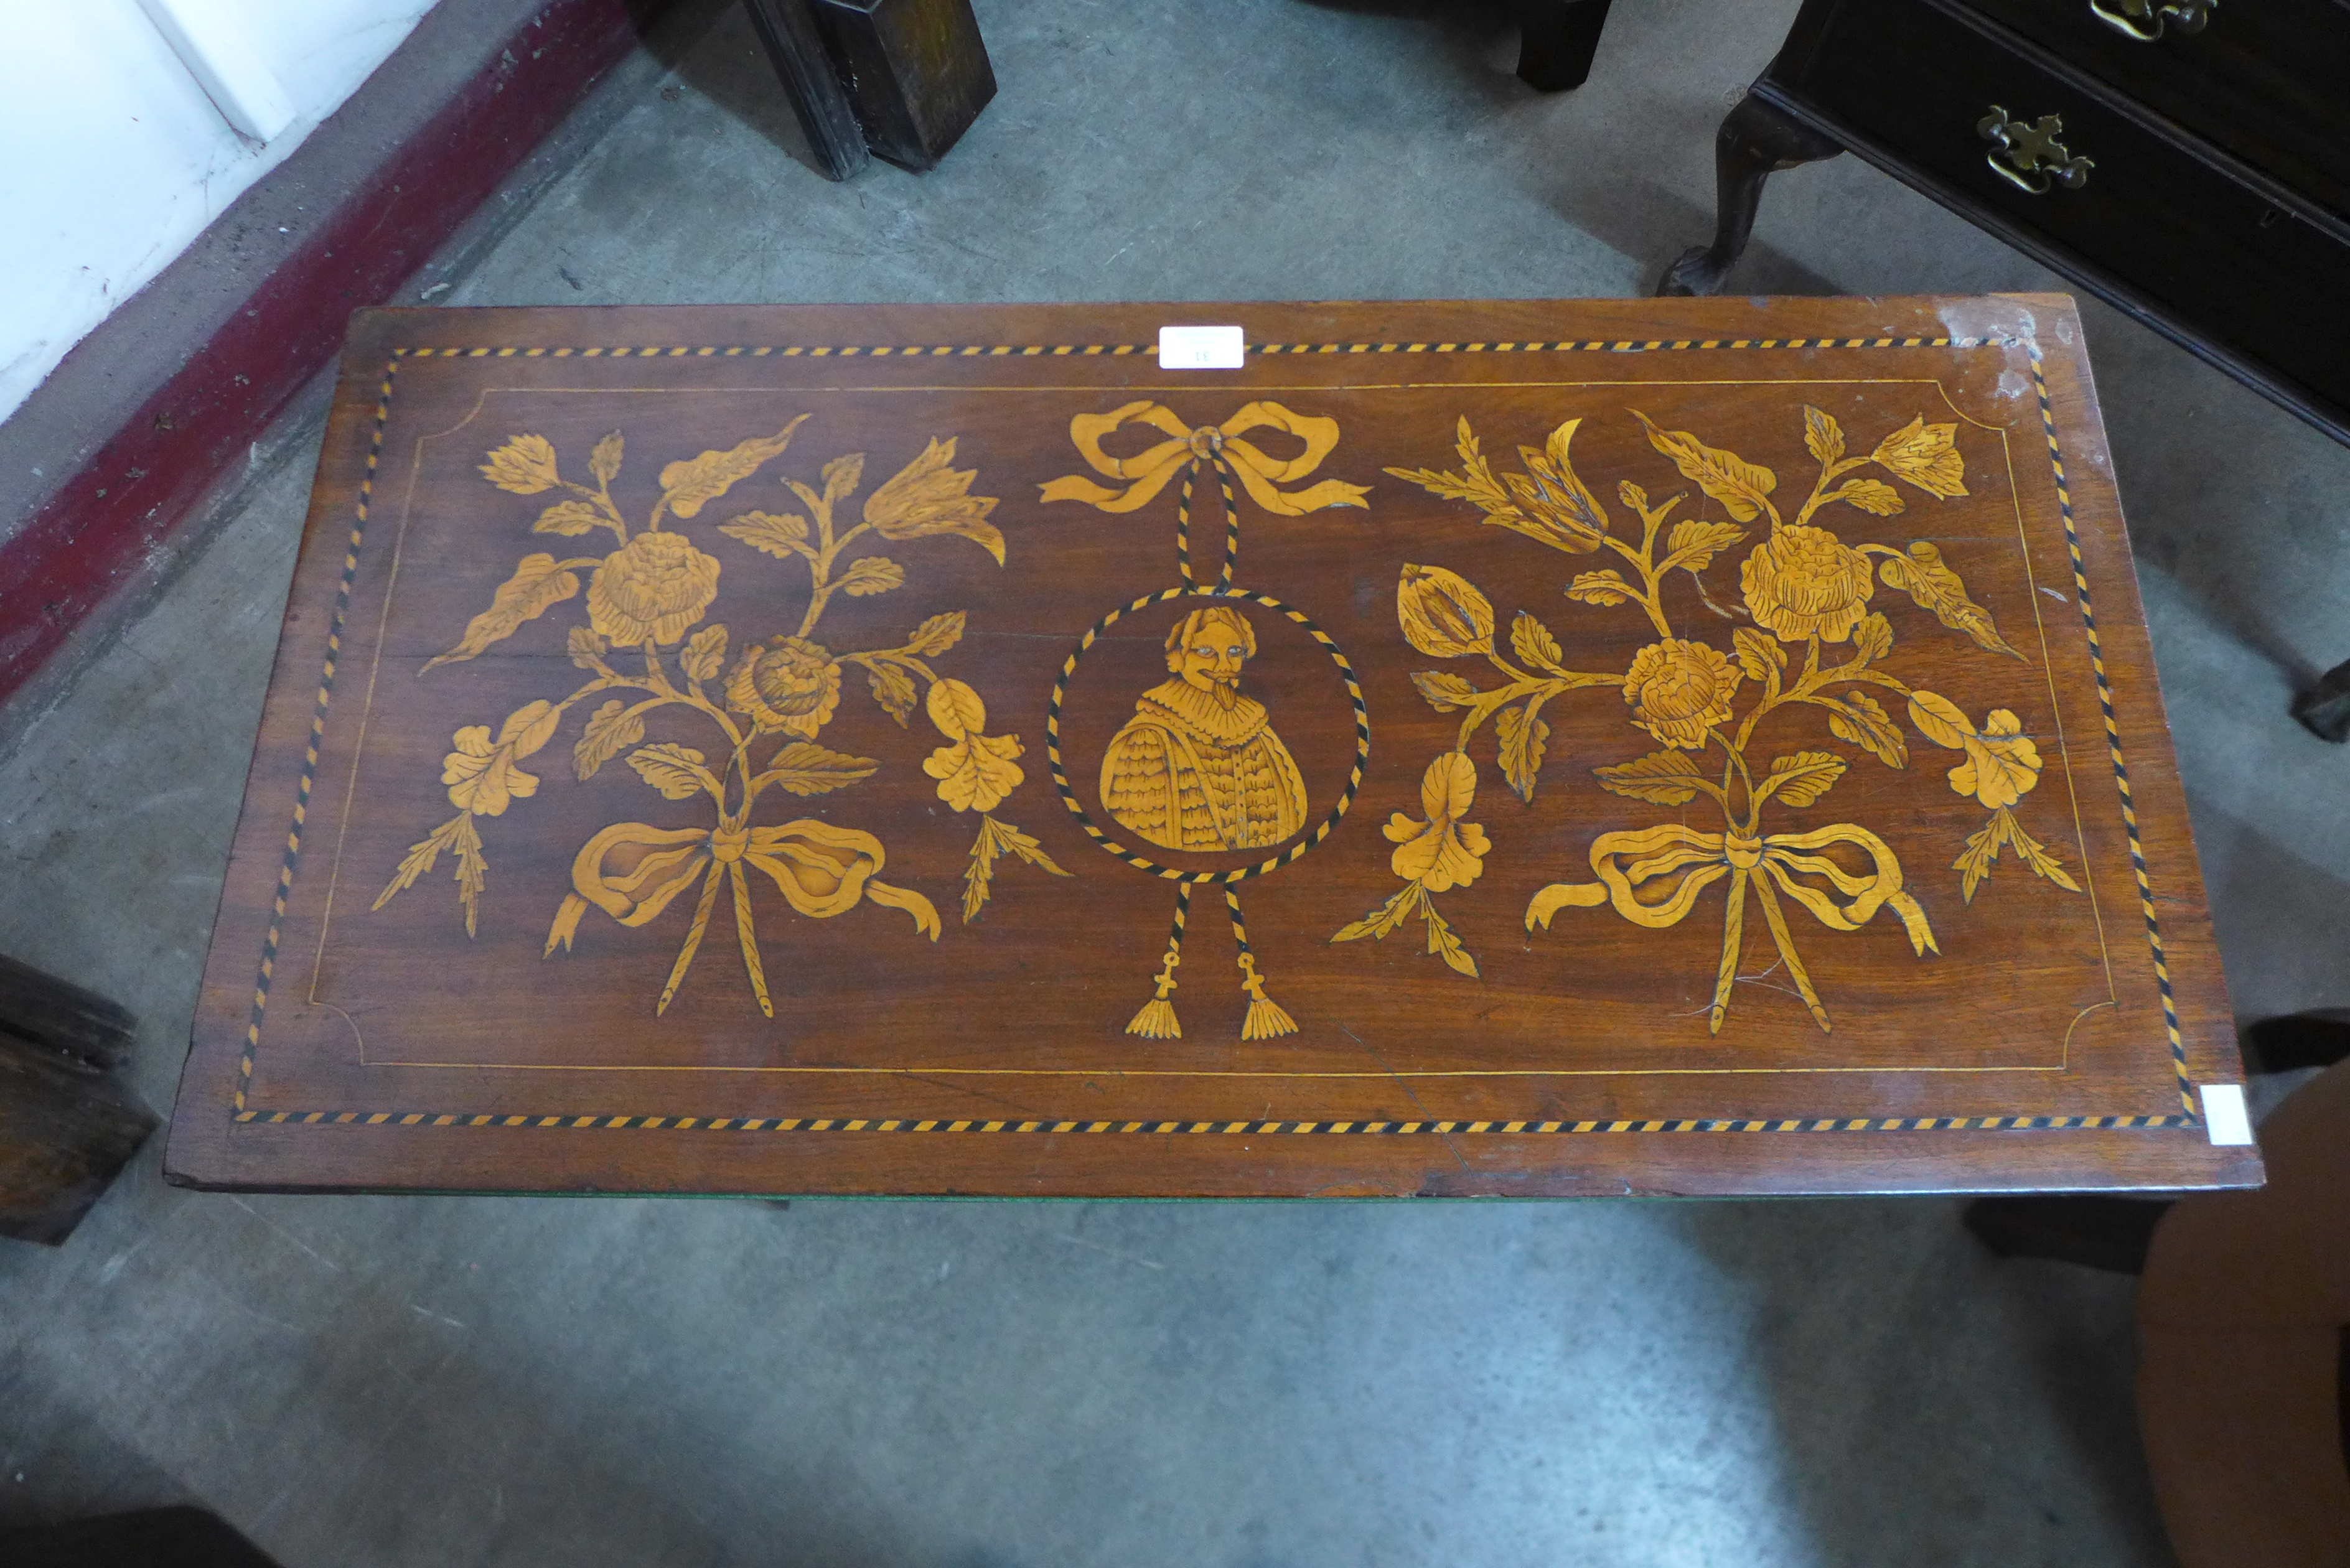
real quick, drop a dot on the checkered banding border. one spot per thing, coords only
(1161, 1129)
(2114, 747)
(1124, 350)
(317, 737)
(1238, 874)
(244, 1113)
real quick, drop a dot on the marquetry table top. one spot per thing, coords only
(1467, 748)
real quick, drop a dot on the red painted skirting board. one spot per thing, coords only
(388, 215)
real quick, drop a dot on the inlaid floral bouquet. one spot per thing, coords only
(1815, 650)
(765, 702)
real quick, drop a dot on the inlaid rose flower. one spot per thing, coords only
(785, 684)
(1804, 581)
(650, 591)
(1679, 690)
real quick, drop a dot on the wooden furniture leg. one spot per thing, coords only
(796, 46)
(1559, 38)
(2325, 707)
(66, 1126)
(917, 72)
(1754, 142)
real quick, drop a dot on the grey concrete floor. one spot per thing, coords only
(446, 1381)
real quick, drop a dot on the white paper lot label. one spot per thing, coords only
(1201, 348)
(2224, 1115)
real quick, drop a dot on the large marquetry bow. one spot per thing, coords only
(1147, 473)
(632, 871)
(1673, 865)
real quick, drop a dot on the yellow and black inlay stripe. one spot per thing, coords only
(1165, 1129)
(1125, 350)
(2114, 747)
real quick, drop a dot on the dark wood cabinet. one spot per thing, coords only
(2188, 161)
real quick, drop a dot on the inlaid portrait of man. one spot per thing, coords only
(1198, 768)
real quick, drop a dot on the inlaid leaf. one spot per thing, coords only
(1603, 588)
(1444, 692)
(1759, 653)
(1935, 586)
(419, 859)
(843, 474)
(956, 709)
(2038, 857)
(805, 768)
(567, 518)
(1859, 718)
(528, 728)
(1523, 734)
(536, 587)
(893, 689)
(525, 465)
(1026, 846)
(676, 771)
(689, 485)
(1533, 643)
(1443, 942)
(777, 534)
(1940, 720)
(1822, 435)
(871, 574)
(1693, 544)
(1802, 778)
(586, 646)
(1632, 495)
(1871, 495)
(1740, 486)
(1973, 863)
(472, 869)
(611, 729)
(1382, 921)
(1660, 778)
(604, 462)
(936, 635)
(705, 654)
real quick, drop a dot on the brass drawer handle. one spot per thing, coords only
(2029, 156)
(2145, 19)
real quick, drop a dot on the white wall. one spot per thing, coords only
(112, 160)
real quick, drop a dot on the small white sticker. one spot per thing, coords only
(1201, 348)
(2224, 1115)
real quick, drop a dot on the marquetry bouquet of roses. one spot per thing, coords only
(647, 638)
(1815, 649)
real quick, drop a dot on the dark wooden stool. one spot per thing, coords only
(66, 1126)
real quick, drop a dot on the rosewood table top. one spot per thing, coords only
(1537, 747)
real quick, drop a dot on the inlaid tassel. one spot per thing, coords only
(1157, 1019)
(1266, 1018)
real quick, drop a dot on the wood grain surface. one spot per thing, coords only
(833, 750)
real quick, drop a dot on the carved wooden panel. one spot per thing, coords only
(1532, 747)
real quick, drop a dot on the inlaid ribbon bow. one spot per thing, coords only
(1693, 861)
(1147, 473)
(632, 871)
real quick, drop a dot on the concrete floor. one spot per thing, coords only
(364, 1381)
